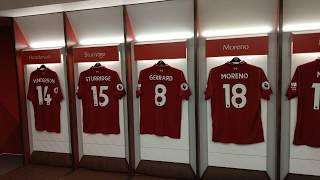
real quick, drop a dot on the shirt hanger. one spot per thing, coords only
(161, 63)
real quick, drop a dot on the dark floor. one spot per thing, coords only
(9, 162)
(301, 177)
(12, 162)
(142, 177)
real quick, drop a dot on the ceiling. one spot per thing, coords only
(17, 8)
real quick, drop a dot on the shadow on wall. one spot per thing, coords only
(10, 124)
(10, 132)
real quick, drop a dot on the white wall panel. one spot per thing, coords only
(98, 26)
(301, 15)
(233, 17)
(43, 30)
(162, 20)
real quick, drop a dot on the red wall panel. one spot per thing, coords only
(10, 126)
(237, 46)
(173, 50)
(306, 43)
(94, 54)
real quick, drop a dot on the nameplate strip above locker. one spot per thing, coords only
(41, 56)
(237, 46)
(306, 43)
(94, 54)
(172, 50)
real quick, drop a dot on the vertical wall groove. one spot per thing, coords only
(279, 84)
(196, 81)
(128, 66)
(72, 97)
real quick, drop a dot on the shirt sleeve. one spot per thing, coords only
(80, 86)
(139, 90)
(57, 89)
(31, 90)
(184, 91)
(293, 88)
(118, 87)
(209, 92)
(265, 88)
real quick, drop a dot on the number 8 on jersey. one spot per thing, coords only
(160, 95)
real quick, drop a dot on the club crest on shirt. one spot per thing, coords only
(119, 87)
(56, 90)
(266, 85)
(184, 86)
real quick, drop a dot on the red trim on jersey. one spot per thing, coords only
(237, 46)
(174, 50)
(41, 56)
(94, 54)
(306, 43)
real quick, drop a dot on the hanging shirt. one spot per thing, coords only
(305, 85)
(45, 94)
(100, 89)
(235, 91)
(161, 90)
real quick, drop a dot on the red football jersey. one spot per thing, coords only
(161, 90)
(100, 90)
(45, 94)
(235, 91)
(305, 85)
